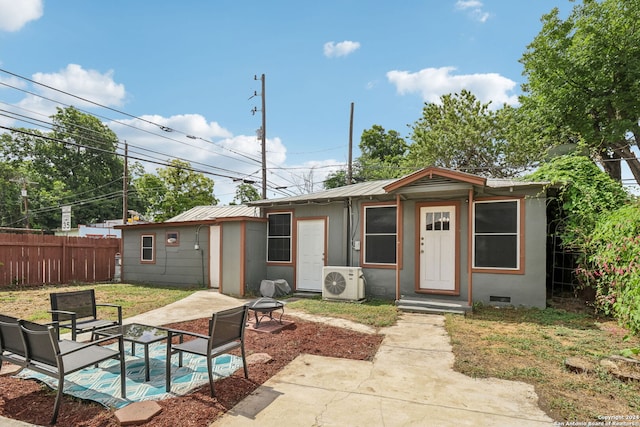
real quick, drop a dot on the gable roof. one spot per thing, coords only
(203, 213)
(431, 176)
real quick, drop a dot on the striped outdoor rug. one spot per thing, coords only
(102, 384)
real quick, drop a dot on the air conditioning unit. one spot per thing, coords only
(342, 283)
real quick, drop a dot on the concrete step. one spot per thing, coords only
(432, 306)
(428, 310)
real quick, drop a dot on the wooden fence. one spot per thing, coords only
(31, 259)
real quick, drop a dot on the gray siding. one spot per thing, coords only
(231, 258)
(255, 256)
(180, 266)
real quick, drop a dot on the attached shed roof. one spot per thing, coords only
(203, 213)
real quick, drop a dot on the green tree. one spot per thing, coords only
(175, 189)
(381, 155)
(584, 193)
(462, 133)
(75, 164)
(584, 76)
(245, 193)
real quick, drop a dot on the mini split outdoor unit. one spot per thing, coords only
(342, 283)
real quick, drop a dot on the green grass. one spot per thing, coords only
(531, 345)
(374, 313)
(32, 303)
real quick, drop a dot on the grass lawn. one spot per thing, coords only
(528, 345)
(531, 345)
(32, 303)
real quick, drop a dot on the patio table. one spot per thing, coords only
(136, 333)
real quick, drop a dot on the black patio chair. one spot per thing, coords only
(226, 332)
(77, 310)
(44, 353)
(11, 345)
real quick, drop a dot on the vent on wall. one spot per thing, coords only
(494, 298)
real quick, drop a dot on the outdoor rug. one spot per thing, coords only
(102, 384)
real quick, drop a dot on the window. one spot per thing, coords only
(279, 237)
(380, 234)
(147, 248)
(497, 234)
(172, 238)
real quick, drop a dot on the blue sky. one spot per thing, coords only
(190, 66)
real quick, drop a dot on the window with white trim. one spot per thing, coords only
(147, 248)
(496, 234)
(279, 237)
(380, 234)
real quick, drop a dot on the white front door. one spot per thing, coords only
(437, 248)
(310, 254)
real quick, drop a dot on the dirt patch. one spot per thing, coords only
(29, 401)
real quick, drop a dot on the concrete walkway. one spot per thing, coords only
(410, 382)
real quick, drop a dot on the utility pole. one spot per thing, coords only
(350, 166)
(263, 134)
(25, 198)
(125, 173)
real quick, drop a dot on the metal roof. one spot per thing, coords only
(376, 188)
(369, 188)
(202, 213)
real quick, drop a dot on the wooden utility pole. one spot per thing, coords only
(25, 198)
(125, 174)
(350, 165)
(264, 140)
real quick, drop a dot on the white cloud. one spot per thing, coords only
(474, 9)
(431, 83)
(14, 14)
(88, 84)
(333, 49)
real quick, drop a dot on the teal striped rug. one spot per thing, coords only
(102, 384)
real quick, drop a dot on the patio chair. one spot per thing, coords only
(44, 353)
(77, 310)
(226, 332)
(11, 345)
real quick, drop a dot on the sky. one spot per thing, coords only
(184, 79)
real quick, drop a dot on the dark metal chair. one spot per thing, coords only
(11, 345)
(226, 332)
(77, 311)
(41, 351)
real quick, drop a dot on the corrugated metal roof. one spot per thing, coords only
(201, 213)
(376, 188)
(370, 188)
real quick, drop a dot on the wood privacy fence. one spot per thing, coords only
(30, 259)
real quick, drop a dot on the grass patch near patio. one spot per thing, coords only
(531, 345)
(32, 303)
(376, 313)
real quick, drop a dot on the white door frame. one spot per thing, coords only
(311, 249)
(437, 253)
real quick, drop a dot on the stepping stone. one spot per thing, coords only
(578, 365)
(137, 413)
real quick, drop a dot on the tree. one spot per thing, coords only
(584, 76)
(74, 164)
(381, 156)
(382, 153)
(464, 134)
(173, 190)
(245, 193)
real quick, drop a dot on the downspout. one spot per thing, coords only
(398, 244)
(470, 248)
(349, 239)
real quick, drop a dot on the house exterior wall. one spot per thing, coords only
(528, 289)
(173, 265)
(255, 256)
